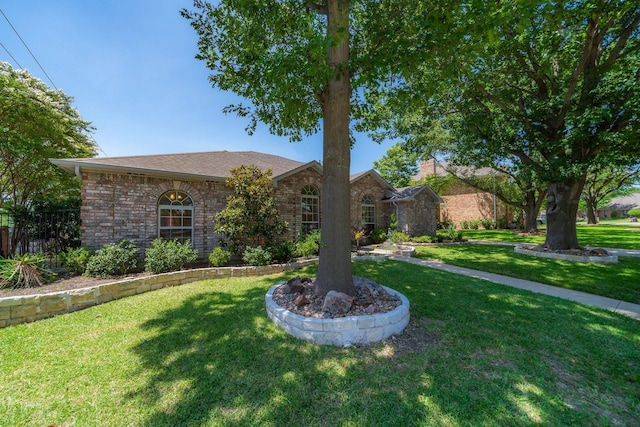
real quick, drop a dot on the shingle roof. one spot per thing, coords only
(212, 165)
(408, 193)
(625, 202)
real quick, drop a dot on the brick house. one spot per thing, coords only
(463, 202)
(141, 198)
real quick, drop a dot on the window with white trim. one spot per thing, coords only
(175, 216)
(368, 213)
(310, 209)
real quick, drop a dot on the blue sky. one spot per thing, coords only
(130, 66)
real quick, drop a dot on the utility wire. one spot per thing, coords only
(9, 53)
(27, 47)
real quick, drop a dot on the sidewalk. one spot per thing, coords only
(621, 307)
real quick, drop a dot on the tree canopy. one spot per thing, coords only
(398, 166)
(547, 90)
(36, 124)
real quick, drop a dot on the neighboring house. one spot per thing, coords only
(141, 198)
(619, 207)
(463, 202)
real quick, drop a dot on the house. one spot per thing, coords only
(141, 198)
(619, 206)
(463, 202)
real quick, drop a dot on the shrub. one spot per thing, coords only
(399, 237)
(75, 260)
(257, 255)
(283, 251)
(424, 239)
(168, 255)
(219, 256)
(634, 212)
(309, 245)
(487, 223)
(378, 235)
(443, 225)
(24, 271)
(474, 224)
(614, 215)
(113, 260)
(452, 234)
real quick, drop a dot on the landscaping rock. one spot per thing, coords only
(336, 303)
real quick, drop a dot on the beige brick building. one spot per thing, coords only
(141, 198)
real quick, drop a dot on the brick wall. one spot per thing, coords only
(368, 185)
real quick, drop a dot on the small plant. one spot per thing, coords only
(358, 235)
(168, 255)
(393, 221)
(309, 245)
(474, 224)
(24, 271)
(452, 234)
(257, 256)
(465, 224)
(378, 235)
(75, 260)
(113, 260)
(219, 256)
(399, 237)
(487, 223)
(424, 239)
(283, 251)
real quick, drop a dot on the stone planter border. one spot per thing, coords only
(343, 331)
(611, 259)
(22, 309)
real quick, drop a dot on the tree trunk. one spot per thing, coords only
(592, 218)
(533, 202)
(334, 270)
(562, 208)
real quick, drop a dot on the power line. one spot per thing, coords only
(29, 50)
(9, 53)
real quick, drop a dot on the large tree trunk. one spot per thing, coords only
(562, 208)
(533, 202)
(334, 270)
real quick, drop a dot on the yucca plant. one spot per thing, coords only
(24, 271)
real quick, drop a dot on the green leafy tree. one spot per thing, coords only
(398, 166)
(548, 88)
(304, 64)
(603, 183)
(36, 124)
(251, 217)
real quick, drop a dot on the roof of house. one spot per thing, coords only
(383, 183)
(212, 165)
(625, 202)
(409, 193)
(444, 168)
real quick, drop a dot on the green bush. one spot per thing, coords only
(75, 260)
(424, 239)
(474, 224)
(399, 237)
(487, 223)
(219, 257)
(168, 255)
(257, 256)
(113, 260)
(309, 245)
(450, 234)
(283, 251)
(614, 215)
(378, 235)
(634, 212)
(465, 224)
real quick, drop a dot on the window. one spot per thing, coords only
(368, 213)
(175, 216)
(310, 209)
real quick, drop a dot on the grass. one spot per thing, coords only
(618, 281)
(205, 353)
(601, 235)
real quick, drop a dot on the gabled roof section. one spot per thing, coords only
(383, 183)
(406, 194)
(625, 202)
(312, 164)
(211, 166)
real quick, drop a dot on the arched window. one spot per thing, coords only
(368, 213)
(310, 208)
(175, 216)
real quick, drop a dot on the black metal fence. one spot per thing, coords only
(45, 232)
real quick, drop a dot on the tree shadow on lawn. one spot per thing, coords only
(473, 353)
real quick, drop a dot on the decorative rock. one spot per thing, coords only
(301, 300)
(337, 303)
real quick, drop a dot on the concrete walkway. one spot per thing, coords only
(622, 307)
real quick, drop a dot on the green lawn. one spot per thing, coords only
(205, 353)
(620, 281)
(602, 235)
